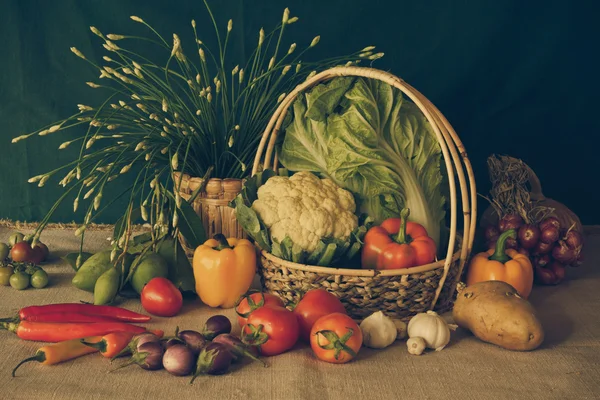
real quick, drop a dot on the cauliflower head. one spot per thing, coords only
(306, 208)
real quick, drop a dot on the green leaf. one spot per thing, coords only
(180, 269)
(373, 143)
(142, 238)
(190, 225)
(71, 259)
(286, 248)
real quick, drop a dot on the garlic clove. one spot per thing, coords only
(416, 345)
(401, 329)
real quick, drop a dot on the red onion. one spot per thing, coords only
(545, 276)
(558, 269)
(543, 248)
(549, 235)
(491, 232)
(549, 222)
(562, 253)
(528, 236)
(511, 243)
(523, 251)
(578, 261)
(573, 239)
(543, 261)
(510, 221)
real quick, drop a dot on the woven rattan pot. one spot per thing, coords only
(211, 205)
(399, 293)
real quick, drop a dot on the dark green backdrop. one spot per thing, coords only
(513, 77)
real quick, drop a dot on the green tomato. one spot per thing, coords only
(5, 273)
(16, 238)
(3, 251)
(19, 280)
(39, 279)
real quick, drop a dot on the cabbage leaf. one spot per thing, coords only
(369, 139)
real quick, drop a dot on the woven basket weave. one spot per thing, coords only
(399, 293)
(212, 205)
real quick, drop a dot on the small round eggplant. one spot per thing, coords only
(173, 342)
(194, 340)
(136, 342)
(179, 360)
(216, 325)
(238, 348)
(148, 356)
(214, 359)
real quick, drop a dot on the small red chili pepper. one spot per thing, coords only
(53, 332)
(112, 344)
(67, 317)
(113, 312)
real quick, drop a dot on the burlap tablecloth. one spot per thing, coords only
(565, 367)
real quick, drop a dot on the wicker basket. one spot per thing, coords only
(212, 205)
(399, 293)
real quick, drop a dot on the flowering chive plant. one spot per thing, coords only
(191, 115)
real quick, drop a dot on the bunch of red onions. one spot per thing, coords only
(550, 246)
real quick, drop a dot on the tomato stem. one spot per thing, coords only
(500, 250)
(336, 343)
(402, 237)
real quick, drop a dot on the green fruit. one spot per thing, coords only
(3, 251)
(39, 279)
(19, 280)
(180, 269)
(107, 287)
(5, 273)
(150, 266)
(94, 267)
(15, 238)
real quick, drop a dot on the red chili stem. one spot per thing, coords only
(115, 313)
(53, 332)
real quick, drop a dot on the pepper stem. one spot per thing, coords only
(223, 244)
(39, 356)
(500, 251)
(101, 345)
(402, 237)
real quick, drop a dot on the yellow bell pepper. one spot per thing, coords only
(224, 270)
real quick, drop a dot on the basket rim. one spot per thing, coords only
(360, 272)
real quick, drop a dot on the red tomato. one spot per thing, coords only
(336, 338)
(42, 249)
(160, 297)
(273, 329)
(254, 301)
(315, 304)
(21, 252)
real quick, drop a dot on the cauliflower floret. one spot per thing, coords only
(306, 208)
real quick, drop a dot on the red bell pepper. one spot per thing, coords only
(397, 243)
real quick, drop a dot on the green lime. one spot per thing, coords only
(5, 273)
(19, 280)
(151, 265)
(3, 251)
(39, 279)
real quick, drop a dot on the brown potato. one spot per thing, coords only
(495, 313)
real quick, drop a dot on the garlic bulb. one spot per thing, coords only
(416, 345)
(378, 331)
(400, 329)
(432, 328)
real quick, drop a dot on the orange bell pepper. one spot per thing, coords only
(397, 243)
(501, 264)
(224, 270)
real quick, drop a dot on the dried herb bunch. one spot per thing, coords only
(191, 114)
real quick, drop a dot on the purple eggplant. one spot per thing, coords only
(136, 342)
(179, 360)
(148, 356)
(238, 349)
(194, 340)
(214, 359)
(216, 325)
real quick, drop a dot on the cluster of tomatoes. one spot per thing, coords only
(18, 261)
(318, 319)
